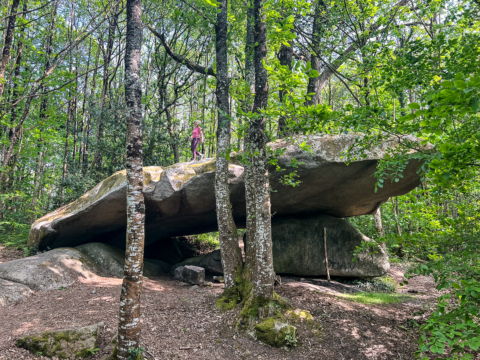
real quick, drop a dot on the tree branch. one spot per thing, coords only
(180, 58)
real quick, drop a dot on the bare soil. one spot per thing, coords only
(183, 321)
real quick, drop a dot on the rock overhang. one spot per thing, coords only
(180, 199)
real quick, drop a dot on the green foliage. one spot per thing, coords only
(210, 239)
(135, 354)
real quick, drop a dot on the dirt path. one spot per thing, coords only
(183, 322)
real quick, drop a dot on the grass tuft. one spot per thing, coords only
(376, 298)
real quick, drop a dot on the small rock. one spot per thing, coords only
(193, 288)
(93, 292)
(183, 284)
(218, 279)
(207, 284)
(190, 274)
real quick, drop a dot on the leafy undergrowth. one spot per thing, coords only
(376, 298)
(15, 235)
(210, 239)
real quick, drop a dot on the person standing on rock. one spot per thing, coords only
(196, 138)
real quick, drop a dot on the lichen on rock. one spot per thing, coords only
(69, 344)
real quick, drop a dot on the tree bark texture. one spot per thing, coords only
(378, 222)
(259, 259)
(7, 46)
(249, 54)
(230, 251)
(129, 317)
(285, 55)
(8, 161)
(250, 79)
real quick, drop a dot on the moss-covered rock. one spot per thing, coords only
(276, 333)
(69, 344)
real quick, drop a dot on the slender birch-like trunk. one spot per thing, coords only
(250, 79)
(129, 317)
(15, 130)
(8, 43)
(89, 118)
(97, 159)
(378, 222)
(259, 258)
(231, 253)
(43, 109)
(173, 136)
(84, 107)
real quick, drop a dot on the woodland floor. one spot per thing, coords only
(183, 322)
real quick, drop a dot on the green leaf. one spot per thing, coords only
(460, 84)
(414, 106)
(475, 105)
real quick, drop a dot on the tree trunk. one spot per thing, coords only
(259, 259)
(285, 55)
(87, 128)
(173, 136)
(249, 54)
(97, 159)
(250, 79)
(8, 44)
(129, 317)
(84, 108)
(396, 215)
(378, 222)
(313, 82)
(15, 130)
(43, 107)
(230, 251)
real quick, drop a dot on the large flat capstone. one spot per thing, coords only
(180, 199)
